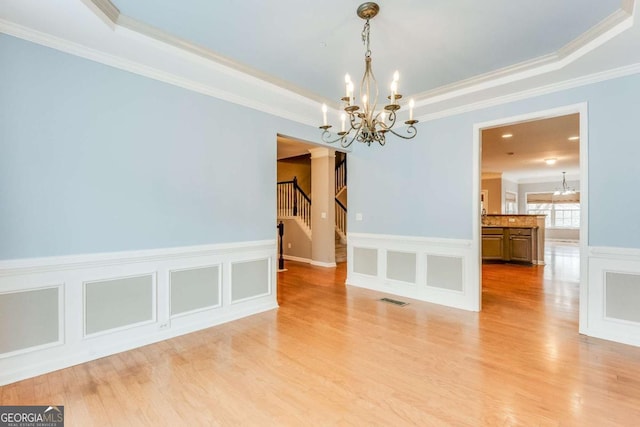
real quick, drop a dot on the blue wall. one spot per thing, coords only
(95, 159)
(423, 187)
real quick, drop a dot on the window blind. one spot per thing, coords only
(550, 198)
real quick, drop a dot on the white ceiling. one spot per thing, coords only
(522, 156)
(311, 45)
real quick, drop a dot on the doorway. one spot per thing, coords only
(518, 198)
(312, 202)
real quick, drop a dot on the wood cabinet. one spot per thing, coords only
(493, 244)
(507, 244)
(520, 244)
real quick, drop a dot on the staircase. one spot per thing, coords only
(341, 211)
(294, 203)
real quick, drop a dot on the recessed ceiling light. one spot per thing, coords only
(574, 138)
(550, 161)
(507, 135)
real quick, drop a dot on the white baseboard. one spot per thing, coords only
(70, 274)
(309, 261)
(323, 264)
(296, 259)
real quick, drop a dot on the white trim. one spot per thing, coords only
(610, 27)
(582, 110)
(421, 247)
(249, 74)
(74, 271)
(323, 264)
(105, 10)
(56, 263)
(297, 259)
(630, 254)
(276, 100)
(615, 73)
(409, 240)
(602, 260)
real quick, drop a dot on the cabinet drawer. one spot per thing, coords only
(492, 231)
(520, 231)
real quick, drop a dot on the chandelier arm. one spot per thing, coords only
(411, 131)
(354, 123)
(392, 119)
(326, 137)
(347, 144)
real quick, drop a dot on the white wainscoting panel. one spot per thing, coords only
(401, 266)
(38, 314)
(442, 271)
(118, 303)
(195, 289)
(61, 311)
(613, 295)
(250, 280)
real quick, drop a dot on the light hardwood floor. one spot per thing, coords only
(335, 355)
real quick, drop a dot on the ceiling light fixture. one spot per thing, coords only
(573, 138)
(550, 161)
(565, 190)
(507, 135)
(366, 124)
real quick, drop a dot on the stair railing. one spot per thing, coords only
(293, 201)
(341, 218)
(341, 175)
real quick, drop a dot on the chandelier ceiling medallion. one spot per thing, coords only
(365, 124)
(565, 190)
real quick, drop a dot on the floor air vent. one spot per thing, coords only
(394, 301)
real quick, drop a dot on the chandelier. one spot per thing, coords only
(365, 124)
(565, 190)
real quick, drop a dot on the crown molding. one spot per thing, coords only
(252, 102)
(599, 34)
(530, 93)
(192, 48)
(596, 36)
(105, 10)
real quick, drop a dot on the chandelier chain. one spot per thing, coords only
(365, 39)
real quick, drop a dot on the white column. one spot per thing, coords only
(323, 249)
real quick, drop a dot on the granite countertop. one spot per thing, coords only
(510, 226)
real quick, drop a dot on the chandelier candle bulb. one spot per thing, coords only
(394, 90)
(347, 82)
(324, 114)
(411, 105)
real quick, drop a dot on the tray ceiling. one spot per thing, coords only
(432, 43)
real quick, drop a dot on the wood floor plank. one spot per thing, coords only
(335, 355)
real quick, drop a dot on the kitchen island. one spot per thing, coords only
(513, 238)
